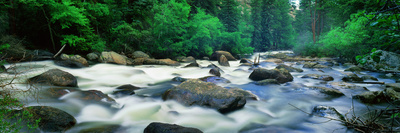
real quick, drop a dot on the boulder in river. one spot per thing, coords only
(267, 82)
(112, 57)
(345, 85)
(75, 58)
(193, 64)
(69, 64)
(156, 127)
(223, 61)
(139, 54)
(51, 119)
(55, 77)
(244, 60)
(351, 77)
(280, 56)
(215, 71)
(167, 61)
(328, 91)
(274, 60)
(368, 77)
(281, 75)
(95, 96)
(289, 68)
(92, 56)
(320, 77)
(380, 60)
(314, 65)
(197, 92)
(245, 93)
(354, 69)
(217, 54)
(127, 89)
(188, 59)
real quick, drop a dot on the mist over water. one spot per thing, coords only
(135, 112)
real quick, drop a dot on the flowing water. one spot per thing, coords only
(135, 112)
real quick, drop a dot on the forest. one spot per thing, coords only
(170, 28)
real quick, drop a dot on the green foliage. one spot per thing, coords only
(12, 122)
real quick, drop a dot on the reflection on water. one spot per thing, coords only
(272, 111)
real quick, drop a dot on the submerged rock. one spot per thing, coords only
(328, 91)
(193, 64)
(51, 119)
(289, 68)
(55, 77)
(320, 77)
(281, 75)
(215, 79)
(327, 112)
(179, 79)
(217, 54)
(196, 92)
(354, 69)
(314, 65)
(367, 77)
(156, 127)
(267, 82)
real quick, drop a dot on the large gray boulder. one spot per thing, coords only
(140, 54)
(381, 61)
(281, 75)
(75, 58)
(55, 77)
(196, 92)
(223, 61)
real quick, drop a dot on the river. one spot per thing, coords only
(272, 110)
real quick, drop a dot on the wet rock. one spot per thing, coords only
(289, 68)
(328, 91)
(354, 69)
(327, 112)
(156, 127)
(381, 61)
(56, 92)
(345, 85)
(179, 79)
(215, 79)
(127, 89)
(320, 77)
(395, 86)
(55, 77)
(75, 58)
(217, 54)
(112, 57)
(367, 77)
(371, 97)
(92, 96)
(314, 65)
(247, 94)
(139, 54)
(189, 59)
(351, 77)
(168, 62)
(51, 119)
(392, 95)
(69, 64)
(274, 60)
(193, 64)
(223, 61)
(261, 74)
(104, 129)
(280, 56)
(267, 82)
(92, 56)
(214, 66)
(197, 92)
(215, 71)
(244, 60)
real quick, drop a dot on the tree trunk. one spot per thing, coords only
(11, 17)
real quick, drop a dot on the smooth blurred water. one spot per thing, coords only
(137, 111)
